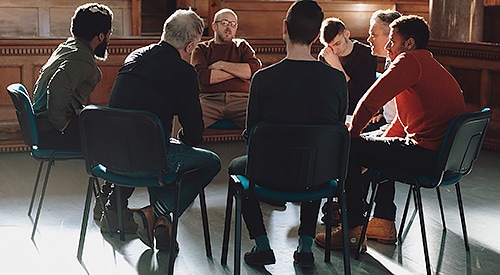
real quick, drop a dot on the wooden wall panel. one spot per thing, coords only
(18, 22)
(51, 18)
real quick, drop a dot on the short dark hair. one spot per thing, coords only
(303, 21)
(90, 20)
(330, 28)
(413, 26)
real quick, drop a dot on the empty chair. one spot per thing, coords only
(128, 148)
(26, 119)
(293, 163)
(460, 148)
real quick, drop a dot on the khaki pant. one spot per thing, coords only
(224, 106)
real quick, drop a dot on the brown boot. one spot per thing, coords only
(354, 236)
(382, 230)
(145, 220)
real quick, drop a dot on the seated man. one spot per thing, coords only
(70, 76)
(225, 65)
(350, 56)
(427, 97)
(155, 78)
(298, 89)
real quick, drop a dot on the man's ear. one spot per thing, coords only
(101, 36)
(347, 33)
(410, 44)
(285, 27)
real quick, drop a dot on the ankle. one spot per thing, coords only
(305, 243)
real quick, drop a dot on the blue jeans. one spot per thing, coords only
(187, 158)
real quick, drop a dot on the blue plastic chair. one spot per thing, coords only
(26, 119)
(461, 146)
(292, 163)
(128, 148)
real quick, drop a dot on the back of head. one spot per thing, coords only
(303, 21)
(181, 28)
(384, 17)
(90, 20)
(413, 26)
(330, 28)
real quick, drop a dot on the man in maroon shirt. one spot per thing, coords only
(225, 65)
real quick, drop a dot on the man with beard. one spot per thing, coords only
(225, 66)
(69, 77)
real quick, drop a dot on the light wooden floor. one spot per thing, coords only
(53, 250)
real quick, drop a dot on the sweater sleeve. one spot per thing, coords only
(403, 73)
(199, 60)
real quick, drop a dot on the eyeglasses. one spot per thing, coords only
(226, 23)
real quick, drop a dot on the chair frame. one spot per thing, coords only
(29, 130)
(289, 133)
(455, 160)
(95, 121)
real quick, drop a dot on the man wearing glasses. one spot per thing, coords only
(225, 65)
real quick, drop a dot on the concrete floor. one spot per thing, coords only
(53, 250)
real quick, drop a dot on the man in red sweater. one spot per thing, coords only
(427, 99)
(225, 65)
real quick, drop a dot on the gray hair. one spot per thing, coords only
(384, 17)
(182, 28)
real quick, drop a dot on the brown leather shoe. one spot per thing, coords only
(162, 233)
(337, 244)
(145, 220)
(382, 230)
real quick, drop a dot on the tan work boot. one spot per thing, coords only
(145, 220)
(129, 226)
(382, 230)
(337, 244)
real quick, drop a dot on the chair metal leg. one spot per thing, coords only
(328, 228)
(367, 218)
(405, 213)
(172, 251)
(119, 213)
(42, 196)
(418, 197)
(237, 235)
(204, 217)
(441, 207)
(35, 187)
(345, 236)
(227, 223)
(85, 219)
(462, 216)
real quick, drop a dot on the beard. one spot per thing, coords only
(101, 51)
(225, 37)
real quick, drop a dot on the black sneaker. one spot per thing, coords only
(303, 259)
(259, 258)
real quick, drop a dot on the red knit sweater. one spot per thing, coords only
(427, 99)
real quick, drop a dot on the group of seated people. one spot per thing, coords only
(203, 82)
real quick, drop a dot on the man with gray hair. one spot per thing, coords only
(156, 78)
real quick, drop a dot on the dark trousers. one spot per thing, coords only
(389, 154)
(68, 140)
(252, 213)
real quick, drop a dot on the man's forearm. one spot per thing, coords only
(238, 70)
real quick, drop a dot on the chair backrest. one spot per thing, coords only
(463, 141)
(124, 141)
(24, 112)
(288, 157)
